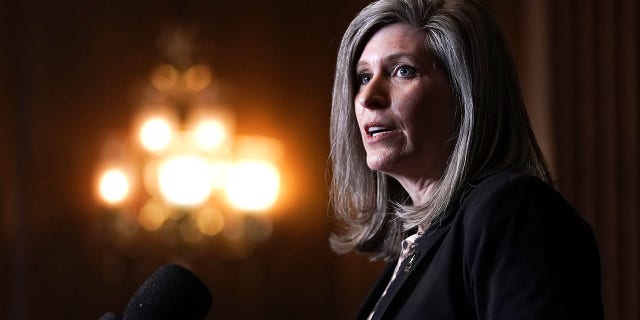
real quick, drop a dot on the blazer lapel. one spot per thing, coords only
(419, 260)
(375, 292)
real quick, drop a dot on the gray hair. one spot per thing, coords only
(493, 132)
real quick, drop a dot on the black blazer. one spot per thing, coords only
(512, 249)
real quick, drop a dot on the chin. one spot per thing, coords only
(381, 164)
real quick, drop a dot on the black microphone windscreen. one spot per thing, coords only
(172, 292)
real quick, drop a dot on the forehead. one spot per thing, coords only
(393, 39)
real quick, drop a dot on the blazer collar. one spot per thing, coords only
(411, 266)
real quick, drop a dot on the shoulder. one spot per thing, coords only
(518, 200)
(521, 242)
(507, 184)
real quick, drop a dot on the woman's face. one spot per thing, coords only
(404, 105)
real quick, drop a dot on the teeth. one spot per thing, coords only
(377, 130)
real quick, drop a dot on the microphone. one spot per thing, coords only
(172, 292)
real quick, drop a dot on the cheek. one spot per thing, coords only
(429, 118)
(414, 112)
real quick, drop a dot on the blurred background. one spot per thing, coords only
(80, 80)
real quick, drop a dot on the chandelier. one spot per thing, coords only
(182, 168)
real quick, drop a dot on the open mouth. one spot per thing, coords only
(376, 130)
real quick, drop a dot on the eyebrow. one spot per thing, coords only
(392, 57)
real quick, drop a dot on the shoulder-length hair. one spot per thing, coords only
(493, 133)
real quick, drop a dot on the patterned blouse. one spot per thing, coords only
(408, 249)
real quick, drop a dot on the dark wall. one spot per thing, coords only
(579, 66)
(72, 73)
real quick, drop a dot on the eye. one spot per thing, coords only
(405, 71)
(363, 78)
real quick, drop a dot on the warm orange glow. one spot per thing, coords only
(165, 77)
(253, 185)
(200, 178)
(219, 169)
(152, 215)
(258, 148)
(114, 186)
(210, 134)
(196, 78)
(155, 134)
(210, 222)
(185, 180)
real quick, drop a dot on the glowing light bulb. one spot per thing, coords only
(210, 134)
(253, 185)
(113, 186)
(155, 134)
(186, 180)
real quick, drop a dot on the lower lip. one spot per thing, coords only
(381, 136)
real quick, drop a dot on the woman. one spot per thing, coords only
(436, 170)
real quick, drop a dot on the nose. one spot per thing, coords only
(374, 94)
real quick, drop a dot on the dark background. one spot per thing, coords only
(70, 73)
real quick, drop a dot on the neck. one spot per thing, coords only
(419, 190)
